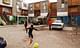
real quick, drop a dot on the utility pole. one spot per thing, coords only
(14, 9)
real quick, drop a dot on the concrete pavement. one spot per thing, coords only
(46, 27)
(15, 36)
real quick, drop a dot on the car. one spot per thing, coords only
(57, 24)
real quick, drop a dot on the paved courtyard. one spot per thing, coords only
(15, 36)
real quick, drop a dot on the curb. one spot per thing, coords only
(68, 28)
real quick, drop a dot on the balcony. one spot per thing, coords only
(73, 2)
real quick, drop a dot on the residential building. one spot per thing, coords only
(5, 10)
(22, 12)
(74, 11)
(38, 10)
(6, 5)
(62, 10)
(52, 15)
(15, 10)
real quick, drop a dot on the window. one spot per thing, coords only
(62, 1)
(24, 5)
(6, 10)
(31, 7)
(62, 5)
(44, 7)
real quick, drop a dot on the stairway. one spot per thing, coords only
(5, 18)
(2, 21)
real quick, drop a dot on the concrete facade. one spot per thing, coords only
(6, 1)
(74, 11)
(62, 10)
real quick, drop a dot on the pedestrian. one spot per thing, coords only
(25, 25)
(49, 23)
(30, 35)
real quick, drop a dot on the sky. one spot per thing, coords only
(31, 1)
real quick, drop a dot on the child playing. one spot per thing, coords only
(30, 33)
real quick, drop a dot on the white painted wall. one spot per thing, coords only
(53, 0)
(1, 3)
(31, 15)
(32, 1)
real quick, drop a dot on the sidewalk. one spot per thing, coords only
(45, 27)
(37, 26)
(68, 28)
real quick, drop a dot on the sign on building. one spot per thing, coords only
(6, 1)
